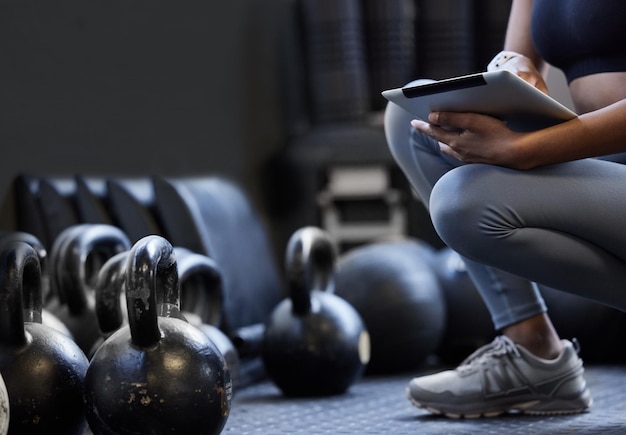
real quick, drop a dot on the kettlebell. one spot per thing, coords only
(7, 236)
(75, 261)
(43, 369)
(158, 374)
(200, 285)
(201, 289)
(48, 318)
(110, 302)
(315, 343)
(5, 412)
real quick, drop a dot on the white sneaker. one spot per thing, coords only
(501, 377)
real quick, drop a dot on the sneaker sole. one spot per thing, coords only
(524, 408)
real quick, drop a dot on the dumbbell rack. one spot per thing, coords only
(358, 205)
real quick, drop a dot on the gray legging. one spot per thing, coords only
(562, 226)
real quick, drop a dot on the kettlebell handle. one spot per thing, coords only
(109, 286)
(310, 265)
(8, 236)
(193, 264)
(151, 273)
(21, 295)
(97, 242)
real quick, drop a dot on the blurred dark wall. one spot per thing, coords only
(183, 88)
(136, 87)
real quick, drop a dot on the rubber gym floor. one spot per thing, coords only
(377, 405)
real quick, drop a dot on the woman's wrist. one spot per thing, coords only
(502, 58)
(520, 65)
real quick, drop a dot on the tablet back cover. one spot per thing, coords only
(497, 93)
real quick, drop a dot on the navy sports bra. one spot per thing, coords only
(581, 37)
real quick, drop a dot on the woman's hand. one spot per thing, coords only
(523, 67)
(474, 138)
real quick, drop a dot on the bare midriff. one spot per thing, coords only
(595, 91)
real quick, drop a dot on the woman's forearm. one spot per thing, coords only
(593, 134)
(518, 37)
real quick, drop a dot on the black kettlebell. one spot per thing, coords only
(48, 318)
(158, 374)
(200, 285)
(7, 236)
(110, 302)
(5, 411)
(315, 343)
(75, 262)
(44, 370)
(202, 299)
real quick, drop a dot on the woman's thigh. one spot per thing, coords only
(418, 155)
(561, 225)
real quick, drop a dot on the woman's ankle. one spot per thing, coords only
(537, 335)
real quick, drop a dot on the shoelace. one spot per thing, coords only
(501, 345)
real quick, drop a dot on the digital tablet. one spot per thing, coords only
(500, 94)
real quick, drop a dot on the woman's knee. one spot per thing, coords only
(459, 204)
(397, 126)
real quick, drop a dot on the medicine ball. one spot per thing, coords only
(393, 287)
(597, 327)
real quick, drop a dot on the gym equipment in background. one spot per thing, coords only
(209, 215)
(334, 34)
(45, 206)
(5, 409)
(393, 287)
(29, 217)
(110, 298)
(158, 373)
(469, 323)
(56, 204)
(595, 326)
(315, 342)
(8, 236)
(132, 206)
(359, 205)
(202, 296)
(47, 317)
(76, 256)
(92, 200)
(212, 216)
(43, 369)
